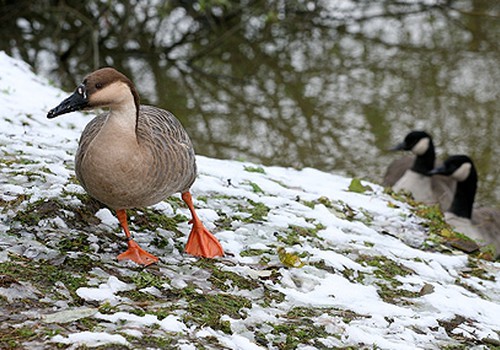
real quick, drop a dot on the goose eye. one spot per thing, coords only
(98, 85)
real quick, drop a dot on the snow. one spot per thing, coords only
(90, 339)
(106, 217)
(105, 291)
(40, 166)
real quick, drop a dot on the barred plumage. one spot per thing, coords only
(134, 156)
(164, 162)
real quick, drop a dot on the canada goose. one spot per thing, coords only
(134, 156)
(481, 224)
(410, 173)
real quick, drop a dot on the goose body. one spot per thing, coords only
(480, 224)
(134, 156)
(155, 161)
(410, 173)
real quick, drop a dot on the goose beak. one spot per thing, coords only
(77, 101)
(399, 147)
(437, 171)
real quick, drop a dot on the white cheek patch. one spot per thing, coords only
(421, 147)
(462, 172)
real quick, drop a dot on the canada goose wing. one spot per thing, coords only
(488, 222)
(396, 170)
(444, 190)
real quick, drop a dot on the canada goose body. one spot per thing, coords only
(481, 224)
(410, 173)
(134, 156)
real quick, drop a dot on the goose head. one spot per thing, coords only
(459, 167)
(105, 87)
(418, 142)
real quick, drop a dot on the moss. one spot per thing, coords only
(257, 169)
(321, 200)
(310, 204)
(150, 341)
(224, 222)
(13, 338)
(107, 308)
(390, 293)
(256, 210)
(150, 219)
(163, 312)
(281, 183)
(441, 234)
(353, 275)
(53, 207)
(475, 269)
(77, 243)
(389, 288)
(223, 279)
(145, 279)
(202, 199)
(385, 268)
(325, 201)
(175, 202)
(87, 324)
(255, 188)
(254, 252)
(82, 263)
(302, 312)
(26, 270)
(206, 309)
(320, 264)
(272, 296)
(41, 209)
(296, 333)
(138, 296)
(296, 234)
(14, 203)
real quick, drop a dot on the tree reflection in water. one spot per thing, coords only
(326, 84)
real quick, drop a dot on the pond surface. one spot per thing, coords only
(325, 84)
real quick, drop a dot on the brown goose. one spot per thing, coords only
(134, 156)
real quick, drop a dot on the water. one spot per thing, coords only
(326, 84)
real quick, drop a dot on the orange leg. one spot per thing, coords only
(200, 242)
(134, 252)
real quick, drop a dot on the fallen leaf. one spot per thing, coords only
(426, 289)
(289, 259)
(358, 187)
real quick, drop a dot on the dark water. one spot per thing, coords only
(324, 84)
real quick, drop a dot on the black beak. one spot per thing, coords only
(77, 101)
(399, 147)
(438, 171)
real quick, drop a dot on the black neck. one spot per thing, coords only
(464, 196)
(425, 162)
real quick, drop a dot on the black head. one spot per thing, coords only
(416, 141)
(460, 167)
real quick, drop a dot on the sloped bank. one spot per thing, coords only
(309, 264)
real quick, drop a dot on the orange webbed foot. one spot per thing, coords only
(202, 243)
(137, 255)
